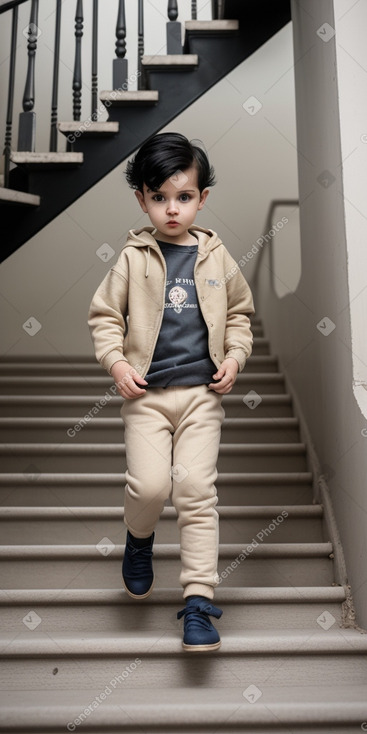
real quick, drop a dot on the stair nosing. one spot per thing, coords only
(47, 552)
(100, 379)
(103, 449)
(81, 512)
(34, 421)
(116, 478)
(170, 596)
(340, 641)
(201, 713)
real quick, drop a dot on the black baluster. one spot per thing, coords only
(95, 61)
(221, 4)
(55, 80)
(218, 9)
(27, 118)
(77, 77)
(174, 42)
(141, 80)
(193, 10)
(119, 71)
(9, 113)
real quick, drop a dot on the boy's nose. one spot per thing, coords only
(172, 207)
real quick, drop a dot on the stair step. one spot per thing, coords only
(89, 129)
(31, 365)
(266, 564)
(259, 382)
(188, 709)
(209, 27)
(252, 457)
(34, 487)
(170, 62)
(43, 161)
(135, 98)
(99, 429)
(260, 345)
(81, 525)
(12, 196)
(277, 405)
(334, 655)
(113, 610)
(257, 330)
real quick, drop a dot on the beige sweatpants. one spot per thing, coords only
(172, 438)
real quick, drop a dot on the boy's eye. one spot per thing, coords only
(183, 197)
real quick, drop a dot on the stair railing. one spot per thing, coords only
(274, 204)
(120, 79)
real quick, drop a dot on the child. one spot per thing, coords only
(170, 323)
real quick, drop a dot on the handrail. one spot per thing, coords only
(273, 205)
(10, 4)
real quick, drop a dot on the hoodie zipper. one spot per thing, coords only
(163, 304)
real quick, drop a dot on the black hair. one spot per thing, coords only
(162, 156)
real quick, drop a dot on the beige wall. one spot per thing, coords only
(54, 275)
(318, 360)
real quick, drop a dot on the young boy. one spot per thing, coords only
(170, 323)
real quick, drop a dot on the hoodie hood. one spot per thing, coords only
(145, 237)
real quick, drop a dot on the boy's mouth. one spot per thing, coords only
(173, 223)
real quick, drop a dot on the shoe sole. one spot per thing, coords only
(201, 648)
(138, 596)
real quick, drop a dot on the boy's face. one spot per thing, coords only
(172, 209)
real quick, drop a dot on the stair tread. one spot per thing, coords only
(100, 379)
(225, 511)
(88, 127)
(29, 361)
(211, 25)
(117, 478)
(34, 421)
(46, 552)
(167, 596)
(267, 399)
(19, 197)
(118, 447)
(119, 97)
(248, 642)
(31, 158)
(216, 706)
(167, 60)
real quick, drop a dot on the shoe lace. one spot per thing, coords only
(138, 557)
(198, 613)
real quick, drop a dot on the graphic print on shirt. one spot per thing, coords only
(177, 296)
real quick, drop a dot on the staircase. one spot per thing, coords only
(42, 184)
(79, 654)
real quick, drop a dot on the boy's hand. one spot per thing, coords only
(127, 380)
(227, 374)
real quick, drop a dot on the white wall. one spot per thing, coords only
(54, 275)
(311, 329)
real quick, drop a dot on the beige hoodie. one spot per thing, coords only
(127, 308)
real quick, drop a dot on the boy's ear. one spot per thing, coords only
(203, 197)
(141, 201)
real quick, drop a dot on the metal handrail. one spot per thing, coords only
(11, 4)
(273, 205)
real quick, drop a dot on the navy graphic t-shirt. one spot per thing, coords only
(181, 355)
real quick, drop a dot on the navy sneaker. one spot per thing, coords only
(199, 633)
(137, 567)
